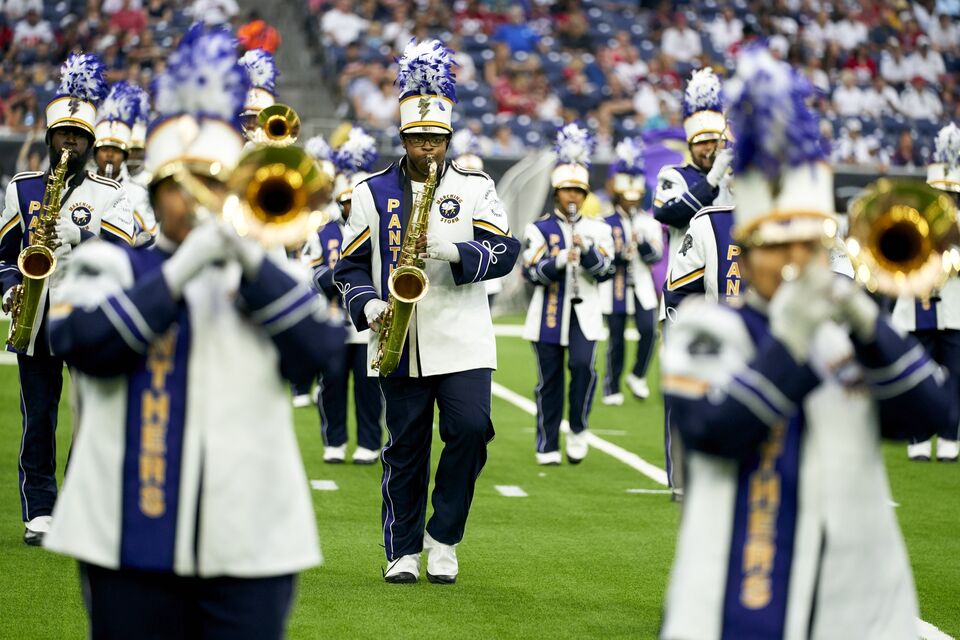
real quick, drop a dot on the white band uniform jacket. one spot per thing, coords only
(637, 284)
(942, 311)
(548, 316)
(185, 459)
(97, 206)
(451, 329)
(321, 254)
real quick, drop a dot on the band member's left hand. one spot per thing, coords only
(439, 249)
(67, 232)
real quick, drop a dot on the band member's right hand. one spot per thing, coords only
(67, 232)
(9, 296)
(801, 305)
(373, 311)
(205, 245)
(720, 165)
(573, 256)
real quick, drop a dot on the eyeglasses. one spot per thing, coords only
(423, 139)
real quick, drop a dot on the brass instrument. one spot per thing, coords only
(902, 238)
(37, 262)
(408, 283)
(280, 125)
(274, 196)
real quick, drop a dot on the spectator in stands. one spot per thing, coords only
(926, 62)
(16, 9)
(497, 66)
(680, 41)
(881, 99)
(853, 147)
(816, 75)
(575, 34)
(466, 70)
(628, 66)
(110, 7)
(726, 30)
(32, 156)
(505, 143)
(920, 102)
(579, 98)
(862, 65)
(547, 103)
(516, 33)
(944, 35)
(342, 25)
(257, 34)
(381, 109)
(906, 154)
(27, 34)
(818, 33)
(399, 30)
(512, 94)
(848, 98)
(848, 31)
(894, 66)
(474, 17)
(128, 19)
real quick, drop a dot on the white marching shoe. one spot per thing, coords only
(577, 447)
(919, 451)
(403, 570)
(614, 399)
(365, 456)
(34, 530)
(638, 386)
(335, 455)
(549, 458)
(947, 450)
(302, 400)
(442, 567)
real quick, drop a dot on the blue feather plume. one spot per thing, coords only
(948, 146)
(426, 68)
(629, 154)
(703, 93)
(142, 98)
(357, 153)
(261, 68)
(464, 142)
(81, 76)
(774, 127)
(574, 145)
(318, 148)
(122, 104)
(203, 77)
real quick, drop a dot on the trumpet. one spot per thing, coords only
(273, 196)
(903, 237)
(280, 125)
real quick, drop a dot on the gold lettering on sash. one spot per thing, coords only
(154, 419)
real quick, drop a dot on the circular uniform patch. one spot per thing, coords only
(81, 216)
(449, 208)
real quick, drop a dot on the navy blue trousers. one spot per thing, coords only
(581, 360)
(646, 321)
(161, 606)
(944, 347)
(41, 381)
(463, 399)
(367, 402)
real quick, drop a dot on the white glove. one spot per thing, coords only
(205, 244)
(373, 310)
(62, 251)
(441, 249)
(800, 307)
(855, 307)
(8, 297)
(67, 232)
(720, 165)
(561, 259)
(247, 252)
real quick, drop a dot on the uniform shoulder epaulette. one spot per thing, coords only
(102, 180)
(468, 172)
(543, 216)
(26, 174)
(668, 167)
(375, 174)
(706, 211)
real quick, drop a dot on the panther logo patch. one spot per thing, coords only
(81, 216)
(686, 245)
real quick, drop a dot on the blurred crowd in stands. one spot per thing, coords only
(885, 71)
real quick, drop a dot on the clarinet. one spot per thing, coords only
(575, 298)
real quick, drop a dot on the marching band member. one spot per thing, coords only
(354, 159)
(565, 256)
(450, 351)
(465, 150)
(116, 118)
(936, 322)
(186, 501)
(638, 243)
(262, 70)
(90, 206)
(787, 530)
(138, 142)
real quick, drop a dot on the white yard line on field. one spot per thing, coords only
(324, 485)
(7, 358)
(510, 491)
(926, 630)
(516, 331)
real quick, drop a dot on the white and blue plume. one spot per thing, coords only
(948, 146)
(122, 104)
(426, 68)
(775, 129)
(703, 93)
(574, 145)
(142, 98)
(629, 154)
(261, 68)
(81, 76)
(464, 142)
(357, 153)
(203, 78)
(318, 148)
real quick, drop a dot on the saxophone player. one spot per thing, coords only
(450, 352)
(90, 206)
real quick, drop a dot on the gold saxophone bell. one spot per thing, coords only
(903, 237)
(280, 125)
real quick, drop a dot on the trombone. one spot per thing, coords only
(279, 124)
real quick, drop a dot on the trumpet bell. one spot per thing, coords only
(280, 125)
(902, 238)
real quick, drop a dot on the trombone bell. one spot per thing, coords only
(280, 125)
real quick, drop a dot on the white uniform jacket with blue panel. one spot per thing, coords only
(321, 254)
(97, 205)
(548, 316)
(451, 329)
(185, 459)
(632, 281)
(145, 222)
(941, 311)
(706, 262)
(788, 530)
(682, 190)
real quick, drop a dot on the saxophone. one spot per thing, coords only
(37, 262)
(407, 284)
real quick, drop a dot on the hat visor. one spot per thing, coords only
(427, 129)
(72, 122)
(196, 166)
(705, 136)
(572, 184)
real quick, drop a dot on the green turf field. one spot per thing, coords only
(578, 558)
